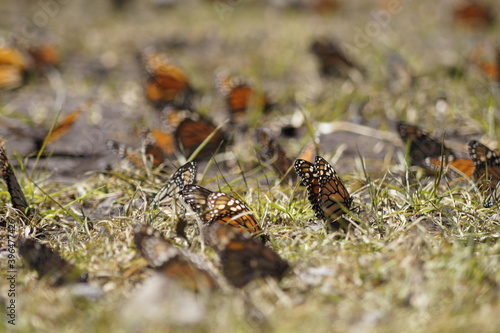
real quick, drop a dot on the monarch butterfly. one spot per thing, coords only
(239, 96)
(170, 261)
(244, 258)
(273, 152)
(190, 134)
(48, 264)
(16, 193)
(473, 14)
(332, 60)
(185, 175)
(326, 192)
(486, 170)
(12, 68)
(166, 84)
(156, 146)
(423, 146)
(62, 127)
(217, 207)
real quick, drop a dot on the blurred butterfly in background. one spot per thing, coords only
(422, 146)
(240, 96)
(218, 207)
(428, 153)
(332, 60)
(191, 134)
(12, 68)
(486, 171)
(473, 14)
(49, 265)
(186, 268)
(244, 258)
(166, 84)
(272, 152)
(156, 147)
(326, 191)
(62, 127)
(17, 197)
(168, 194)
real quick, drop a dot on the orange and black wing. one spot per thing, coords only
(166, 84)
(486, 170)
(309, 176)
(16, 193)
(462, 166)
(165, 258)
(190, 134)
(333, 197)
(422, 146)
(197, 198)
(63, 126)
(244, 258)
(224, 209)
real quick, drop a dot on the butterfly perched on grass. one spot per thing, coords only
(427, 152)
(486, 171)
(49, 265)
(184, 267)
(326, 191)
(166, 83)
(240, 96)
(192, 135)
(244, 258)
(218, 207)
(156, 147)
(17, 197)
(170, 192)
(272, 152)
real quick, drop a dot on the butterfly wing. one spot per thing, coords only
(197, 198)
(16, 193)
(309, 176)
(190, 134)
(224, 209)
(333, 197)
(170, 261)
(185, 175)
(244, 258)
(486, 170)
(421, 145)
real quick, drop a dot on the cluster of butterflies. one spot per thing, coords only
(483, 166)
(234, 232)
(16, 65)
